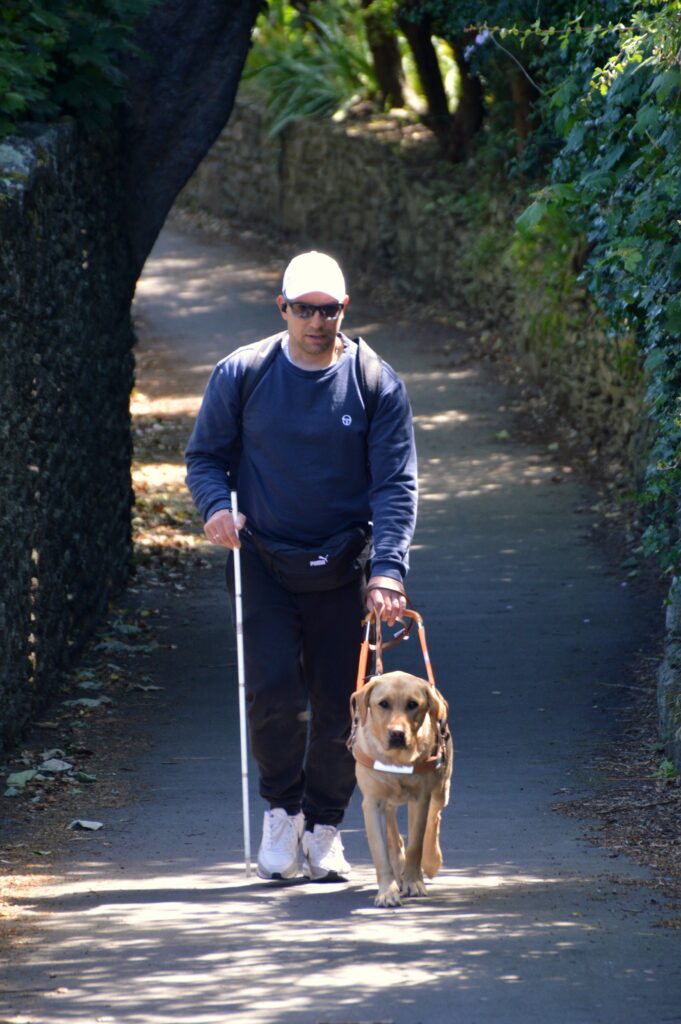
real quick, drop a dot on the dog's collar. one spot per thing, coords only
(419, 768)
(431, 764)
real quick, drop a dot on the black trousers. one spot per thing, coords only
(301, 653)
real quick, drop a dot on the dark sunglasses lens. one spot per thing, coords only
(306, 311)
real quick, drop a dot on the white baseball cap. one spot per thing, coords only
(313, 272)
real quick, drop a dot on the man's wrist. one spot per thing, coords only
(386, 583)
(214, 509)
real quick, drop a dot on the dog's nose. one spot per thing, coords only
(396, 738)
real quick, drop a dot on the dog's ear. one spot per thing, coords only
(438, 708)
(361, 699)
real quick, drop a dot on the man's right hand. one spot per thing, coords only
(220, 528)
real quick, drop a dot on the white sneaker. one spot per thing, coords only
(323, 854)
(279, 853)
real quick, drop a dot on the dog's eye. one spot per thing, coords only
(412, 705)
(383, 704)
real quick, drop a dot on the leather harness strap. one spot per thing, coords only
(438, 758)
(378, 647)
(378, 653)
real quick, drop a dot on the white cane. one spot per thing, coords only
(242, 693)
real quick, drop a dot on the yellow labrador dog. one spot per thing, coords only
(403, 751)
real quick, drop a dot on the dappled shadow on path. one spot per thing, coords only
(311, 953)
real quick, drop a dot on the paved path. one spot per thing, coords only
(531, 632)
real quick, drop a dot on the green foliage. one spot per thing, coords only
(62, 57)
(519, 39)
(311, 65)
(540, 255)
(319, 64)
(667, 771)
(606, 132)
(618, 177)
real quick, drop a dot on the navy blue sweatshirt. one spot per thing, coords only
(311, 465)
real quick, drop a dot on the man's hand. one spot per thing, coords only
(220, 528)
(386, 597)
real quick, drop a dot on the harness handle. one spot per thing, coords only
(378, 646)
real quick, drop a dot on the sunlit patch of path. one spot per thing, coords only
(200, 944)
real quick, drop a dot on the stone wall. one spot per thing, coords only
(66, 371)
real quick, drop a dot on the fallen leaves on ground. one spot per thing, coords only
(634, 809)
(76, 762)
(168, 538)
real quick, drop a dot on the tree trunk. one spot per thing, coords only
(418, 35)
(182, 92)
(454, 131)
(386, 58)
(470, 111)
(524, 94)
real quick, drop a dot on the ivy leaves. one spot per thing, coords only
(617, 177)
(63, 56)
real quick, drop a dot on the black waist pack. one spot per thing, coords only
(339, 560)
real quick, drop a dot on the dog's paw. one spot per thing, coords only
(390, 897)
(413, 887)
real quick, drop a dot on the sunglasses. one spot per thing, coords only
(305, 310)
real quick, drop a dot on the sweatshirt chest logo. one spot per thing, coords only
(346, 420)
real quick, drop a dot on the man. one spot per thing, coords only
(314, 459)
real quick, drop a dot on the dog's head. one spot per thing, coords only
(394, 707)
